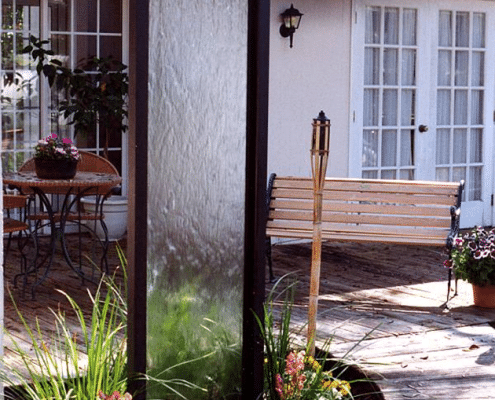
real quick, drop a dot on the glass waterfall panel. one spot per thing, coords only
(460, 99)
(389, 105)
(197, 133)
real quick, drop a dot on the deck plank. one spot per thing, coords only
(417, 348)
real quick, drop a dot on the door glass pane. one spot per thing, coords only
(475, 177)
(196, 196)
(372, 66)
(476, 145)
(478, 69)
(443, 107)
(461, 68)
(409, 27)
(408, 67)
(460, 107)
(371, 104)
(391, 26)
(477, 97)
(460, 145)
(443, 146)
(370, 148)
(390, 71)
(408, 104)
(444, 68)
(389, 148)
(479, 30)
(462, 29)
(407, 147)
(389, 107)
(445, 29)
(373, 25)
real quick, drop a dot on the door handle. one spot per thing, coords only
(423, 128)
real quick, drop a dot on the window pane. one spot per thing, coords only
(85, 49)
(460, 146)
(409, 27)
(407, 174)
(476, 145)
(390, 107)
(111, 16)
(59, 15)
(85, 13)
(391, 34)
(390, 70)
(443, 146)
(389, 148)
(111, 46)
(462, 29)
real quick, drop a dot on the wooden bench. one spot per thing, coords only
(366, 210)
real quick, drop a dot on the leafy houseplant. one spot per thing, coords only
(96, 93)
(473, 257)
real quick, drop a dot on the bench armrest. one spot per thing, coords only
(455, 217)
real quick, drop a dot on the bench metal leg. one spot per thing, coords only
(268, 244)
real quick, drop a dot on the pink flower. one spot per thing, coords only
(66, 141)
(279, 386)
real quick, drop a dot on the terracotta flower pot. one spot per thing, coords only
(55, 169)
(484, 296)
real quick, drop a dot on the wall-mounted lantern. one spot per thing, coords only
(292, 19)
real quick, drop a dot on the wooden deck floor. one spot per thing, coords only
(47, 297)
(416, 349)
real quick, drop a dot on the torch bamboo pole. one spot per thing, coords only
(319, 173)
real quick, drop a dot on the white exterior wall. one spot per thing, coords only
(314, 75)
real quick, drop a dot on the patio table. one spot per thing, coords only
(71, 190)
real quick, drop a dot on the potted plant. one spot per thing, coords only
(55, 158)
(96, 99)
(473, 260)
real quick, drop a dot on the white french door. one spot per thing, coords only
(423, 95)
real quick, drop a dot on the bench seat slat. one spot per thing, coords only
(363, 218)
(345, 229)
(338, 237)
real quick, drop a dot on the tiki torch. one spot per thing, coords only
(319, 160)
